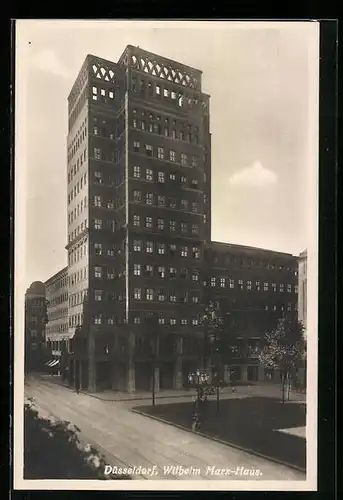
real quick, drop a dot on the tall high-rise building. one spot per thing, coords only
(139, 197)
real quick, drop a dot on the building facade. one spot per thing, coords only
(35, 323)
(254, 288)
(57, 329)
(140, 257)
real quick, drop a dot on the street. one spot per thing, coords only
(129, 439)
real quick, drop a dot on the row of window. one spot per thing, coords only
(161, 224)
(229, 260)
(158, 128)
(100, 94)
(78, 276)
(247, 285)
(161, 249)
(78, 230)
(77, 165)
(162, 177)
(63, 328)
(161, 295)
(78, 188)
(171, 155)
(169, 94)
(79, 137)
(54, 301)
(53, 315)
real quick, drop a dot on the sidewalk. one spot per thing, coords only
(260, 390)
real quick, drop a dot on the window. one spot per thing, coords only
(213, 281)
(195, 299)
(148, 149)
(134, 123)
(137, 293)
(136, 320)
(158, 90)
(195, 276)
(160, 223)
(98, 295)
(172, 297)
(258, 286)
(172, 155)
(110, 205)
(172, 203)
(149, 247)
(137, 196)
(172, 249)
(149, 174)
(110, 274)
(97, 320)
(184, 251)
(160, 153)
(148, 222)
(136, 146)
(289, 288)
(282, 287)
(111, 252)
(240, 284)
(194, 184)
(183, 179)
(98, 248)
(295, 288)
(183, 273)
(195, 229)
(136, 171)
(222, 282)
(97, 224)
(98, 177)
(166, 93)
(161, 296)
(143, 125)
(161, 248)
(265, 287)
(166, 131)
(184, 159)
(194, 161)
(137, 245)
(97, 153)
(161, 201)
(136, 220)
(161, 320)
(248, 285)
(184, 227)
(289, 307)
(194, 207)
(97, 272)
(172, 225)
(174, 134)
(196, 252)
(161, 271)
(194, 321)
(274, 287)
(172, 272)
(172, 321)
(95, 130)
(184, 204)
(161, 177)
(137, 269)
(172, 177)
(149, 198)
(149, 271)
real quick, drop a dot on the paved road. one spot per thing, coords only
(126, 438)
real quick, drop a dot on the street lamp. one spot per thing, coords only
(199, 379)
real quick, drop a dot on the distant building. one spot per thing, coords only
(254, 287)
(35, 322)
(57, 334)
(302, 295)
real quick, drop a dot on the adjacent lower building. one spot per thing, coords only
(35, 324)
(302, 296)
(254, 288)
(57, 330)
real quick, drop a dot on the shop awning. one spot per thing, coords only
(54, 363)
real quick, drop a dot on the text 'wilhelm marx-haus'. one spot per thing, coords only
(141, 263)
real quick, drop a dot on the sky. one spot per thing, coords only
(262, 81)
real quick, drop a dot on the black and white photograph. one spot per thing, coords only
(166, 255)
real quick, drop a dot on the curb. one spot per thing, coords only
(221, 441)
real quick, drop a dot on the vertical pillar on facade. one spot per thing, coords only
(131, 382)
(244, 373)
(178, 372)
(260, 377)
(91, 362)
